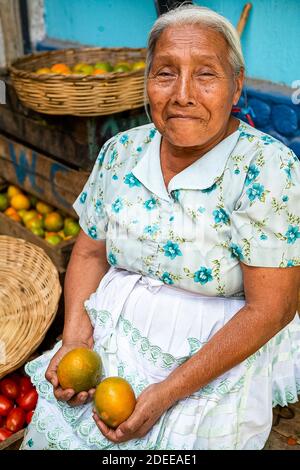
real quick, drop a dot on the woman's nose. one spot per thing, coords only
(183, 92)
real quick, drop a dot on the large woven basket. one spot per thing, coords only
(79, 94)
(29, 295)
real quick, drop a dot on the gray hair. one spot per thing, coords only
(202, 16)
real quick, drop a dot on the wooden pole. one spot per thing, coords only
(11, 30)
(243, 18)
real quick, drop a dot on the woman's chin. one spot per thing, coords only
(182, 140)
(186, 135)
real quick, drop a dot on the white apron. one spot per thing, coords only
(143, 330)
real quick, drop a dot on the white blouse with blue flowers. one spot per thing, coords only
(238, 202)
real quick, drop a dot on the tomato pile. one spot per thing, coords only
(18, 398)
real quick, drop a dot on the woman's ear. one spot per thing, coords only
(239, 82)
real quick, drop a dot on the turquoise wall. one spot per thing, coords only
(271, 40)
(107, 23)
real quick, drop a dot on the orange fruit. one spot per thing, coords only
(29, 215)
(34, 223)
(62, 69)
(53, 239)
(114, 401)
(87, 69)
(99, 72)
(22, 212)
(20, 201)
(140, 65)
(105, 66)
(77, 67)
(12, 191)
(38, 231)
(43, 70)
(80, 369)
(72, 229)
(43, 208)
(12, 214)
(53, 222)
(122, 67)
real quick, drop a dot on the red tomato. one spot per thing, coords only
(5, 405)
(29, 400)
(9, 388)
(29, 416)
(1, 421)
(15, 420)
(4, 434)
(25, 385)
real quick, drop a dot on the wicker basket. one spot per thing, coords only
(79, 94)
(29, 295)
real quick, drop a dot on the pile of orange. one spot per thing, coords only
(92, 69)
(37, 216)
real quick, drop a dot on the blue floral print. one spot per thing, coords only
(267, 140)
(166, 278)
(117, 205)
(255, 192)
(249, 212)
(176, 194)
(288, 170)
(124, 139)
(152, 133)
(98, 206)
(112, 259)
(151, 229)
(92, 231)
(221, 216)
(131, 180)
(203, 276)
(252, 174)
(236, 251)
(83, 197)
(292, 234)
(172, 250)
(150, 204)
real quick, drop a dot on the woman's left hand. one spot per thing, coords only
(150, 406)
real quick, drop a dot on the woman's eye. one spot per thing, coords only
(165, 74)
(206, 74)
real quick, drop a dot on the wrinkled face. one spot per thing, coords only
(191, 85)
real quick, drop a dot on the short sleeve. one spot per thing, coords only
(266, 221)
(90, 204)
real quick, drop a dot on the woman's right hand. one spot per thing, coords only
(68, 394)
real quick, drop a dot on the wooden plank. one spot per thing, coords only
(13, 442)
(11, 29)
(42, 176)
(71, 139)
(59, 254)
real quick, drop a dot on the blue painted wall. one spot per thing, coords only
(271, 38)
(107, 23)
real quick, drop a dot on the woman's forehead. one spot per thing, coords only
(192, 40)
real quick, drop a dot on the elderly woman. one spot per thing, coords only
(184, 275)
